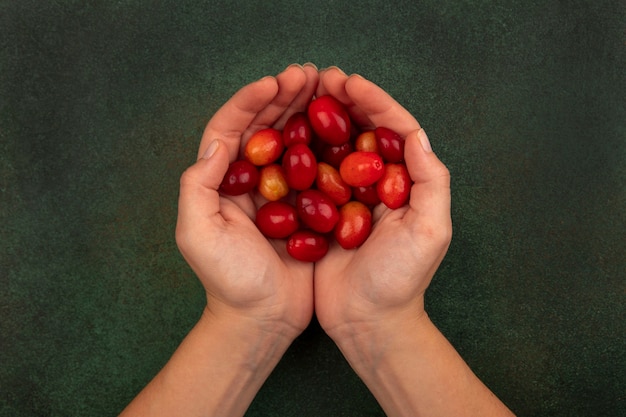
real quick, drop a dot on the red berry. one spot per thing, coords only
(241, 177)
(334, 155)
(297, 129)
(300, 166)
(330, 183)
(272, 183)
(395, 186)
(264, 147)
(277, 219)
(366, 142)
(330, 120)
(390, 144)
(366, 195)
(317, 210)
(360, 169)
(307, 246)
(354, 225)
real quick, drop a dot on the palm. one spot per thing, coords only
(236, 242)
(393, 268)
(243, 272)
(374, 279)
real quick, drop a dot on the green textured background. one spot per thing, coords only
(102, 104)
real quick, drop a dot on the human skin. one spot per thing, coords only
(369, 300)
(258, 298)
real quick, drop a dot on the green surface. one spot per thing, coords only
(102, 105)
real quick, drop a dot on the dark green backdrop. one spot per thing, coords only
(102, 104)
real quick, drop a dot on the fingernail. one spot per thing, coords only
(421, 135)
(310, 64)
(211, 149)
(294, 65)
(336, 68)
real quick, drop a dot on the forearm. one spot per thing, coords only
(413, 370)
(216, 371)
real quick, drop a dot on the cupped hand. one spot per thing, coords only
(244, 274)
(383, 281)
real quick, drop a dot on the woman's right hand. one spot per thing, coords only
(383, 281)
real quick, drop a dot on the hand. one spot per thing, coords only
(258, 298)
(383, 282)
(370, 300)
(244, 274)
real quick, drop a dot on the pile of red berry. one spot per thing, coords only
(338, 172)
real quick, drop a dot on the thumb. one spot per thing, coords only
(430, 194)
(200, 182)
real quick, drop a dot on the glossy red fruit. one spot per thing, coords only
(329, 119)
(300, 166)
(241, 177)
(317, 211)
(264, 147)
(394, 187)
(307, 246)
(330, 183)
(366, 142)
(272, 183)
(360, 169)
(366, 195)
(390, 144)
(354, 225)
(297, 129)
(334, 155)
(277, 219)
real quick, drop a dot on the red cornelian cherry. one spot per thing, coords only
(330, 183)
(329, 120)
(390, 144)
(300, 166)
(277, 219)
(307, 246)
(366, 142)
(366, 195)
(395, 186)
(264, 147)
(360, 169)
(354, 225)
(297, 129)
(335, 154)
(241, 177)
(272, 183)
(317, 210)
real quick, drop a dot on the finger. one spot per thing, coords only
(430, 194)
(290, 83)
(203, 214)
(333, 81)
(199, 197)
(368, 103)
(320, 90)
(301, 101)
(235, 116)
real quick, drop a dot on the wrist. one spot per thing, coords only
(386, 358)
(366, 345)
(228, 349)
(412, 369)
(254, 344)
